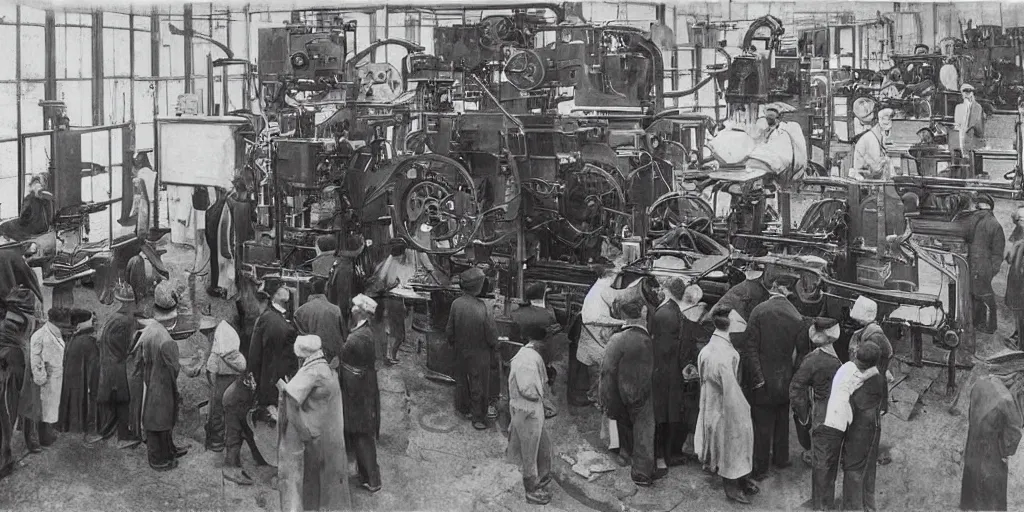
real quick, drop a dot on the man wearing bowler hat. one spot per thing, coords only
(985, 253)
(473, 333)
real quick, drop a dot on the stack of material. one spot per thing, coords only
(69, 265)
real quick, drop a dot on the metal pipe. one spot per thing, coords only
(557, 9)
(496, 102)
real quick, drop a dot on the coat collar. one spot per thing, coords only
(636, 326)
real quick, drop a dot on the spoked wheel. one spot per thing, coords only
(438, 211)
(593, 200)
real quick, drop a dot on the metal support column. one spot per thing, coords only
(98, 98)
(189, 86)
(50, 55)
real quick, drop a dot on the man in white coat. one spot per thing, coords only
(724, 438)
(47, 362)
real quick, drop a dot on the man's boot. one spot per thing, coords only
(47, 434)
(734, 492)
(214, 440)
(31, 431)
(535, 494)
(237, 475)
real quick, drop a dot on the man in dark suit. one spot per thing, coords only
(666, 331)
(860, 448)
(986, 250)
(775, 331)
(318, 316)
(625, 390)
(271, 356)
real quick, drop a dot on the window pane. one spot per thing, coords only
(77, 95)
(111, 19)
(8, 110)
(33, 39)
(117, 53)
(142, 22)
(117, 94)
(172, 52)
(143, 91)
(143, 54)
(144, 136)
(31, 113)
(37, 155)
(8, 58)
(74, 55)
(30, 15)
(8, 12)
(8, 179)
(238, 44)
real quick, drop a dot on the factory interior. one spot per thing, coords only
(206, 157)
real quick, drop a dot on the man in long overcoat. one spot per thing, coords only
(669, 361)
(160, 368)
(993, 435)
(47, 363)
(1015, 273)
(361, 394)
(473, 333)
(113, 395)
(318, 316)
(774, 331)
(985, 253)
(812, 383)
(342, 280)
(724, 439)
(312, 465)
(81, 375)
(626, 391)
(15, 330)
(271, 356)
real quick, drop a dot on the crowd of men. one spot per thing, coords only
(675, 382)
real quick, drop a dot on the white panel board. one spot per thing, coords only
(199, 150)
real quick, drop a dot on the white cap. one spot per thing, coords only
(307, 345)
(864, 310)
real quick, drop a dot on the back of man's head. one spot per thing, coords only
(631, 310)
(318, 285)
(675, 287)
(720, 317)
(534, 332)
(867, 355)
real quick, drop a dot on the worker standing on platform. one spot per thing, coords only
(969, 122)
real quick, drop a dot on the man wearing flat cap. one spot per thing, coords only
(969, 123)
(626, 389)
(775, 330)
(809, 392)
(160, 368)
(473, 333)
(985, 253)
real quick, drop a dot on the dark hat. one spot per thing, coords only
(165, 303)
(20, 300)
(822, 323)
(79, 315)
(472, 280)
(534, 291)
(985, 199)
